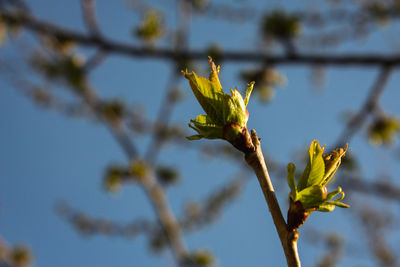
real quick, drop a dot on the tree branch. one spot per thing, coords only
(168, 221)
(163, 118)
(152, 188)
(288, 238)
(42, 27)
(89, 16)
(369, 106)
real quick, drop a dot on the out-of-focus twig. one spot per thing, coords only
(381, 189)
(108, 45)
(166, 108)
(89, 16)
(95, 60)
(369, 106)
(198, 214)
(155, 193)
(88, 225)
(161, 123)
(375, 222)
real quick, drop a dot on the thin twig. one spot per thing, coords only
(166, 108)
(89, 16)
(151, 187)
(369, 106)
(157, 197)
(103, 43)
(164, 116)
(167, 220)
(288, 238)
(95, 60)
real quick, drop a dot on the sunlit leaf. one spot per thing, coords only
(312, 197)
(315, 169)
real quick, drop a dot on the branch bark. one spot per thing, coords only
(288, 238)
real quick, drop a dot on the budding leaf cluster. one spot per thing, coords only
(310, 194)
(281, 25)
(226, 115)
(384, 130)
(151, 28)
(66, 68)
(116, 174)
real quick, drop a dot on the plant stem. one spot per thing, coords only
(288, 238)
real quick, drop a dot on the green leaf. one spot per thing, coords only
(315, 170)
(194, 137)
(338, 204)
(235, 108)
(341, 197)
(332, 163)
(214, 74)
(291, 169)
(205, 127)
(209, 95)
(326, 208)
(335, 193)
(203, 119)
(304, 177)
(312, 196)
(248, 93)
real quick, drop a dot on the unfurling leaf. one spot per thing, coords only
(226, 115)
(205, 126)
(315, 169)
(312, 196)
(311, 193)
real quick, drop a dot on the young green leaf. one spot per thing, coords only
(332, 163)
(338, 204)
(315, 170)
(226, 114)
(205, 127)
(248, 93)
(334, 193)
(312, 196)
(209, 95)
(326, 208)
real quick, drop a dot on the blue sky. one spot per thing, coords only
(46, 157)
